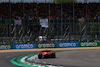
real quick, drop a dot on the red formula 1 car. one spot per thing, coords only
(46, 54)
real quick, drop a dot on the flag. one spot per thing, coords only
(17, 21)
(80, 20)
(44, 23)
(83, 20)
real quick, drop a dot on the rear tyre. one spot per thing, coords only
(53, 55)
(40, 56)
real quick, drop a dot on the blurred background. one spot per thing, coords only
(49, 21)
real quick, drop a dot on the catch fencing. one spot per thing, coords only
(66, 30)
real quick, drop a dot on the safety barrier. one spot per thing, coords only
(49, 45)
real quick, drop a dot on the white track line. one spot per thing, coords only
(35, 58)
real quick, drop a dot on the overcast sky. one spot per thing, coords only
(45, 0)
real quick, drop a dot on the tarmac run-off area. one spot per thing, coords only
(67, 57)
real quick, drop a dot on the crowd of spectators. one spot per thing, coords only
(49, 10)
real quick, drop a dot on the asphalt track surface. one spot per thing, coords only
(67, 57)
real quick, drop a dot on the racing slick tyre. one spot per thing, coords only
(40, 56)
(53, 55)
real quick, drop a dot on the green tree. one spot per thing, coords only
(64, 1)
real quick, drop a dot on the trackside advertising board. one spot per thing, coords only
(88, 44)
(67, 44)
(4, 47)
(24, 46)
(46, 45)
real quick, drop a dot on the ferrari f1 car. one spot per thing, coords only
(46, 54)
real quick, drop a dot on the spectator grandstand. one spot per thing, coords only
(41, 10)
(64, 22)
